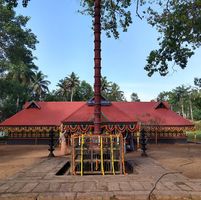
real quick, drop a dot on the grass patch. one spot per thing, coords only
(194, 136)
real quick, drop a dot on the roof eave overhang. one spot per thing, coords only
(117, 122)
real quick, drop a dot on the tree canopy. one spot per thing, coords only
(68, 86)
(184, 100)
(19, 77)
(197, 82)
(177, 21)
(16, 42)
(134, 97)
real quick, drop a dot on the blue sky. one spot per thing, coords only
(66, 45)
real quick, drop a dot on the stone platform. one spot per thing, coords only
(150, 180)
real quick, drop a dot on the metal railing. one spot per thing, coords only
(97, 154)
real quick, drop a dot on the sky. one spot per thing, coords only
(66, 45)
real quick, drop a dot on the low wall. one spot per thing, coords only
(168, 140)
(31, 141)
(43, 138)
(30, 138)
(166, 137)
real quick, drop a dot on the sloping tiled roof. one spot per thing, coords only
(108, 114)
(50, 113)
(53, 113)
(151, 114)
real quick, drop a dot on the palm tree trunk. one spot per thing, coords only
(182, 108)
(97, 67)
(71, 96)
(40, 95)
(191, 109)
(17, 103)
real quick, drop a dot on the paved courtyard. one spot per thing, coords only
(150, 180)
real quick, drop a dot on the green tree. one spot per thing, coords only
(16, 60)
(68, 87)
(115, 14)
(134, 97)
(72, 82)
(111, 91)
(39, 85)
(10, 102)
(182, 95)
(53, 96)
(185, 100)
(197, 82)
(83, 92)
(106, 86)
(16, 41)
(178, 23)
(116, 94)
(196, 100)
(63, 90)
(163, 96)
(22, 73)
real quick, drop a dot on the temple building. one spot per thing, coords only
(32, 124)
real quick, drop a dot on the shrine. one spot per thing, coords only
(100, 132)
(32, 124)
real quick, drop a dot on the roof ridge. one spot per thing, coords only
(122, 112)
(74, 112)
(61, 101)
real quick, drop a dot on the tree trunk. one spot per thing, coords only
(182, 108)
(191, 109)
(71, 96)
(97, 67)
(17, 103)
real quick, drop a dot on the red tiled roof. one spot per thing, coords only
(50, 113)
(109, 114)
(53, 113)
(148, 113)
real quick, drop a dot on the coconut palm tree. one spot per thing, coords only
(116, 94)
(134, 97)
(22, 73)
(39, 85)
(182, 94)
(63, 90)
(84, 92)
(72, 82)
(106, 86)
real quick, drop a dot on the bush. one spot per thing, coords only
(193, 135)
(198, 125)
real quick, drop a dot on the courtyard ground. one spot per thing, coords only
(185, 158)
(14, 158)
(181, 157)
(27, 173)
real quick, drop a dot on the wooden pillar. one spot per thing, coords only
(97, 67)
(73, 155)
(156, 136)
